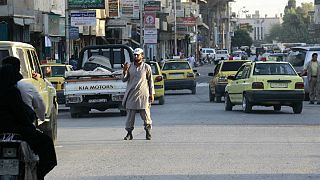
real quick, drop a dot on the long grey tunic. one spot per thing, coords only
(139, 86)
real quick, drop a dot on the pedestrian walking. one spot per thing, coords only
(139, 93)
(312, 69)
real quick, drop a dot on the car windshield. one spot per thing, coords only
(296, 58)
(209, 51)
(222, 52)
(176, 66)
(154, 68)
(273, 69)
(231, 66)
(54, 71)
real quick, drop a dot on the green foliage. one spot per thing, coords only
(295, 25)
(241, 38)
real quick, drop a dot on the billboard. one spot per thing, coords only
(85, 4)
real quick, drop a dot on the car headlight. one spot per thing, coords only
(73, 99)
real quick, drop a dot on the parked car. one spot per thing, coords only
(178, 74)
(265, 83)
(55, 73)
(299, 57)
(30, 64)
(219, 81)
(221, 54)
(158, 81)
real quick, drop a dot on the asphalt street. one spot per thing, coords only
(192, 139)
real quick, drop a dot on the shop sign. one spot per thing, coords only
(83, 18)
(149, 19)
(85, 4)
(152, 6)
(113, 8)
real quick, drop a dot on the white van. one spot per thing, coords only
(207, 51)
(299, 57)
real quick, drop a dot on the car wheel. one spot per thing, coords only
(277, 107)
(228, 104)
(194, 90)
(246, 105)
(161, 100)
(211, 96)
(297, 107)
(123, 112)
(218, 99)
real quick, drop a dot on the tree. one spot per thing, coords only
(241, 38)
(295, 24)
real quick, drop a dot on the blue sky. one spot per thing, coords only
(269, 7)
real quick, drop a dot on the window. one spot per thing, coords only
(231, 66)
(239, 73)
(297, 58)
(154, 68)
(216, 69)
(273, 69)
(4, 53)
(23, 68)
(246, 72)
(176, 66)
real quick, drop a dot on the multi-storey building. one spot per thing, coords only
(259, 26)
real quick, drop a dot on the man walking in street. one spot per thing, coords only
(313, 75)
(139, 94)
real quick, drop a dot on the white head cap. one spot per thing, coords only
(138, 51)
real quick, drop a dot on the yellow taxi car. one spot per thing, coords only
(219, 81)
(178, 74)
(265, 84)
(158, 81)
(54, 72)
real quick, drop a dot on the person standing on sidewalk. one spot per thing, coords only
(312, 69)
(139, 93)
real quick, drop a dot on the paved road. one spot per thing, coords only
(192, 139)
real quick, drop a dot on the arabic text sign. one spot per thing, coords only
(85, 4)
(83, 18)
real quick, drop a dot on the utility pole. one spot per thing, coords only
(175, 28)
(197, 14)
(67, 32)
(141, 23)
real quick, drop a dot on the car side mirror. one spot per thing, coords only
(210, 74)
(231, 77)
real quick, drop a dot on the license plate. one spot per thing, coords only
(279, 85)
(176, 76)
(9, 166)
(97, 100)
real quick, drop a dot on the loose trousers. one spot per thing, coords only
(314, 89)
(145, 116)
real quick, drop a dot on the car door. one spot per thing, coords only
(39, 83)
(234, 85)
(214, 80)
(244, 82)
